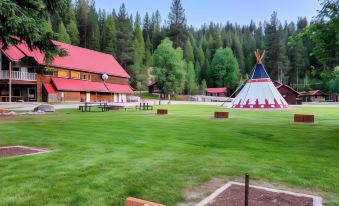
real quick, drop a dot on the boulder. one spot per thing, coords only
(44, 108)
(11, 113)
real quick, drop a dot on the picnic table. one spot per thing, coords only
(144, 106)
(87, 107)
(104, 106)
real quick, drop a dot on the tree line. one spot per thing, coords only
(303, 54)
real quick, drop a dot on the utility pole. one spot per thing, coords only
(10, 81)
(297, 79)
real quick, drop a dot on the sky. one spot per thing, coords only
(199, 12)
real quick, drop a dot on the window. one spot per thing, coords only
(4, 92)
(17, 91)
(75, 75)
(63, 73)
(86, 76)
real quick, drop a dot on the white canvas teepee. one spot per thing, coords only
(259, 92)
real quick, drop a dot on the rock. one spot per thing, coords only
(11, 113)
(44, 108)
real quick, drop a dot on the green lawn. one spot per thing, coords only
(101, 158)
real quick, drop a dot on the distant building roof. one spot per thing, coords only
(279, 85)
(152, 84)
(78, 58)
(313, 93)
(216, 90)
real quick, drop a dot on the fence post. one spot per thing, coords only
(246, 188)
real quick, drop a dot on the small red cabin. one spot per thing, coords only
(289, 94)
(216, 92)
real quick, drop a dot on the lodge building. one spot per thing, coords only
(82, 76)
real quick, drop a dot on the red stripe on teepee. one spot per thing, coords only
(276, 104)
(267, 104)
(259, 80)
(257, 105)
(284, 105)
(247, 105)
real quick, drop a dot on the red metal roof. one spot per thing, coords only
(13, 53)
(119, 88)
(216, 90)
(278, 85)
(49, 88)
(63, 84)
(78, 58)
(312, 93)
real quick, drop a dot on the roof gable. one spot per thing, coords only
(216, 90)
(278, 85)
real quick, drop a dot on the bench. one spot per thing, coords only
(221, 115)
(162, 111)
(305, 118)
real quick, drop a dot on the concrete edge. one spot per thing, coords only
(214, 195)
(317, 200)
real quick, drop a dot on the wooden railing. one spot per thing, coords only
(17, 75)
(14, 98)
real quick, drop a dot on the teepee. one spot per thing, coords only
(259, 92)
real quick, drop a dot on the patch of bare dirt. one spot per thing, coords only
(13, 151)
(197, 193)
(234, 196)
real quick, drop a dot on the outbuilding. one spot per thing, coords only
(216, 92)
(313, 96)
(289, 94)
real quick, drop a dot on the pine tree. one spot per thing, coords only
(138, 19)
(177, 24)
(146, 29)
(238, 52)
(275, 52)
(188, 51)
(205, 72)
(125, 51)
(190, 84)
(139, 45)
(73, 32)
(197, 69)
(82, 10)
(93, 30)
(62, 34)
(156, 33)
(148, 54)
(200, 56)
(203, 86)
(109, 36)
(48, 26)
(215, 41)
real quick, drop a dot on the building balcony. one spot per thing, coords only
(18, 75)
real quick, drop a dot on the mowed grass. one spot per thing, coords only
(102, 158)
